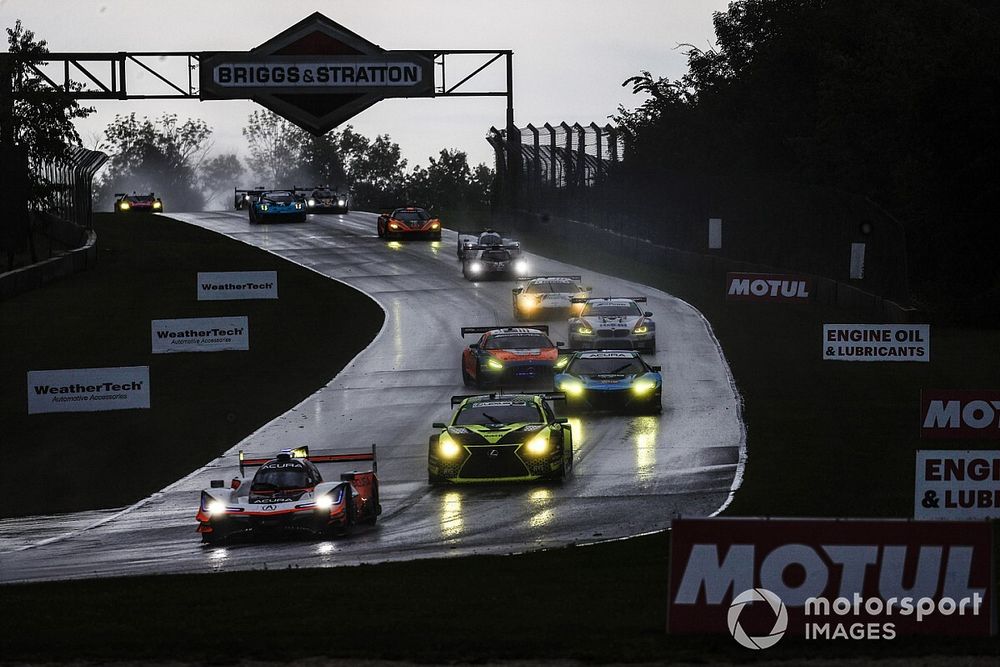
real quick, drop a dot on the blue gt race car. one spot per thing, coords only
(616, 380)
(277, 206)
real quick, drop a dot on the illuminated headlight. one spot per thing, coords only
(643, 386)
(340, 202)
(324, 502)
(216, 507)
(571, 387)
(311, 202)
(640, 328)
(448, 448)
(475, 267)
(494, 364)
(157, 204)
(246, 197)
(263, 207)
(298, 204)
(561, 362)
(125, 206)
(584, 329)
(520, 267)
(435, 225)
(538, 445)
(393, 225)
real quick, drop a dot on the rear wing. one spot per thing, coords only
(495, 246)
(303, 453)
(121, 194)
(544, 328)
(548, 396)
(585, 299)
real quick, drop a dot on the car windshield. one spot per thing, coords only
(607, 366)
(279, 197)
(490, 239)
(601, 309)
(418, 215)
(269, 479)
(556, 288)
(498, 412)
(519, 342)
(135, 198)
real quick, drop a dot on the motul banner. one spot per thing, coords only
(767, 287)
(829, 579)
(957, 485)
(960, 414)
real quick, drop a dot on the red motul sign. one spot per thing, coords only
(767, 287)
(835, 578)
(960, 414)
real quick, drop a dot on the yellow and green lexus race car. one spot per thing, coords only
(501, 437)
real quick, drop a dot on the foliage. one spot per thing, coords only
(219, 176)
(895, 101)
(161, 155)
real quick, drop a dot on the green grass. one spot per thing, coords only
(202, 403)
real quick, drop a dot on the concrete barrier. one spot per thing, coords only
(34, 276)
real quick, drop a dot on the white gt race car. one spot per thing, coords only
(542, 297)
(612, 323)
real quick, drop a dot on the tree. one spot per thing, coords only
(159, 155)
(219, 175)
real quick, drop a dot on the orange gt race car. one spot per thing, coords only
(509, 356)
(408, 223)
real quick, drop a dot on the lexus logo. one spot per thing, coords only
(494, 453)
(269, 508)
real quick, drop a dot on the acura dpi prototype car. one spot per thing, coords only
(288, 494)
(612, 322)
(324, 200)
(509, 356)
(495, 261)
(501, 437)
(545, 296)
(617, 380)
(135, 203)
(277, 206)
(488, 237)
(408, 223)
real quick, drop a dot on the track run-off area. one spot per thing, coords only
(632, 474)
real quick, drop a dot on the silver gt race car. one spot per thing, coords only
(545, 296)
(612, 323)
(288, 494)
(488, 237)
(494, 261)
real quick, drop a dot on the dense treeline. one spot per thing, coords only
(896, 101)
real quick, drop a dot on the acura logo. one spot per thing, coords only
(494, 453)
(269, 508)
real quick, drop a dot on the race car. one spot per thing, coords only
(544, 296)
(501, 437)
(612, 322)
(277, 206)
(494, 261)
(135, 203)
(487, 237)
(288, 494)
(408, 223)
(324, 200)
(617, 380)
(242, 198)
(509, 355)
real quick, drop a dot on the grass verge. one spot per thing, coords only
(201, 403)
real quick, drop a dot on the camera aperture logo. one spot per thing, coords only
(780, 618)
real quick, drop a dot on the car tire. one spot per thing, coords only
(376, 508)
(466, 378)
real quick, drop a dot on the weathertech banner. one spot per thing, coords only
(960, 414)
(767, 287)
(877, 342)
(203, 334)
(88, 389)
(231, 285)
(829, 579)
(955, 485)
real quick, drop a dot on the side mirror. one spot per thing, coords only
(656, 369)
(218, 483)
(562, 420)
(439, 425)
(647, 314)
(559, 343)
(474, 346)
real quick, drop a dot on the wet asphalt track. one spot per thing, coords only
(632, 474)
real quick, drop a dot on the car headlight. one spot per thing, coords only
(263, 207)
(584, 329)
(340, 202)
(475, 267)
(298, 204)
(324, 502)
(393, 225)
(640, 327)
(494, 364)
(448, 448)
(643, 386)
(538, 445)
(561, 362)
(311, 202)
(246, 197)
(571, 387)
(125, 206)
(435, 225)
(216, 507)
(520, 267)
(157, 204)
